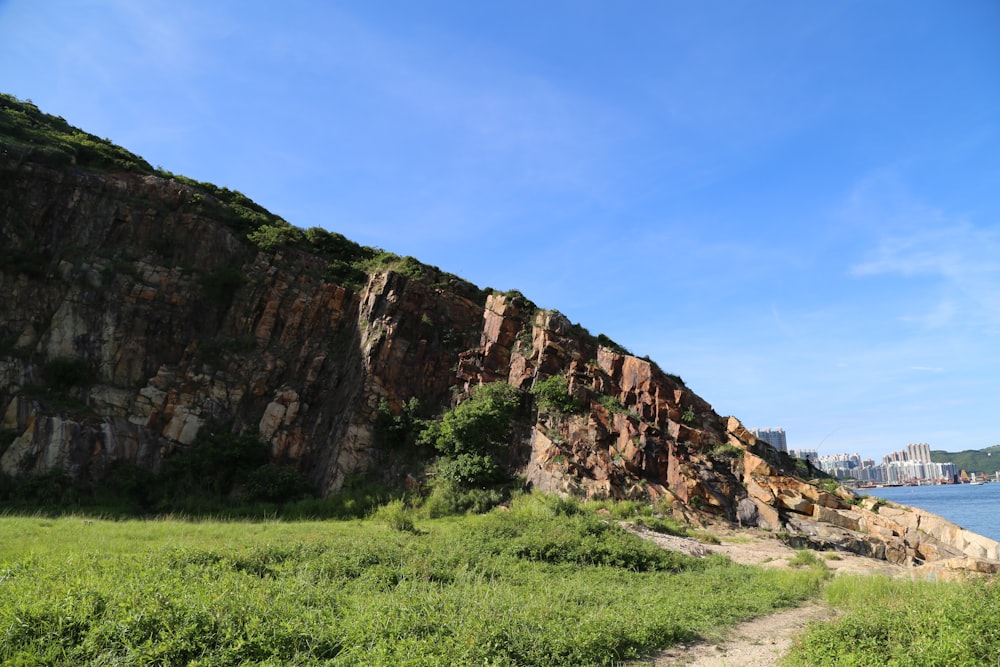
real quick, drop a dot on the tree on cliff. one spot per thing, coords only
(472, 438)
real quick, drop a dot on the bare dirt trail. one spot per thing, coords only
(763, 641)
(760, 642)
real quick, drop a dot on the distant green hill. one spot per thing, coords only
(971, 460)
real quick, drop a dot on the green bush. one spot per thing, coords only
(272, 235)
(397, 516)
(214, 464)
(473, 436)
(448, 498)
(53, 141)
(402, 429)
(728, 451)
(54, 488)
(620, 509)
(550, 530)
(276, 484)
(605, 341)
(552, 395)
(134, 484)
(467, 469)
(806, 558)
(612, 404)
(663, 525)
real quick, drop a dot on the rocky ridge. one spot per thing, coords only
(136, 317)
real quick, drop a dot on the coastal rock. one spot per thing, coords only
(173, 324)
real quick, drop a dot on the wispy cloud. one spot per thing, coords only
(956, 258)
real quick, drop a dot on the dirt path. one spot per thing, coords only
(760, 642)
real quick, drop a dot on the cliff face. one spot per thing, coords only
(135, 316)
(181, 325)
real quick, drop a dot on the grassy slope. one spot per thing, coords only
(971, 460)
(507, 588)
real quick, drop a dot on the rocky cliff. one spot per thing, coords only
(141, 311)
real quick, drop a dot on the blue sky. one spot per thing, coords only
(793, 205)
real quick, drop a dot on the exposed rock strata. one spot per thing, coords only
(184, 326)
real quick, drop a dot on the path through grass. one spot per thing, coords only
(529, 586)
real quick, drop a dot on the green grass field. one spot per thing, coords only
(544, 583)
(905, 624)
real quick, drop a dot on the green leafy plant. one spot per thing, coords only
(397, 516)
(612, 404)
(727, 450)
(54, 142)
(552, 395)
(402, 428)
(214, 464)
(806, 558)
(663, 525)
(276, 484)
(605, 341)
(473, 436)
(468, 469)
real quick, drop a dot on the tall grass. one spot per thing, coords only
(544, 583)
(894, 622)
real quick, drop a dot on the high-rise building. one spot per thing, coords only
(773, 436)
(920, 451)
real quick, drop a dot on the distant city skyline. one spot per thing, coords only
(909, 451)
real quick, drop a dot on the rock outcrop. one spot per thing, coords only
(136, 316)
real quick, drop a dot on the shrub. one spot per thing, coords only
(448, 498)
(612, 404)
(336, 246)
(605, 341)
(345, 273)
(276, 484)
(538, 530)
(473, 436)
(552, 394)
(402, 429)
(397, 516)
(52, 488)
(663, 525)
(726, 450)
(134, 484)
(272, 235)
(467, 469)
(806, 558)
(215, 464)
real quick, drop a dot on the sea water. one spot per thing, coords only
(975, 508)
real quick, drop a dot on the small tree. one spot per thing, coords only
(473, 436)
